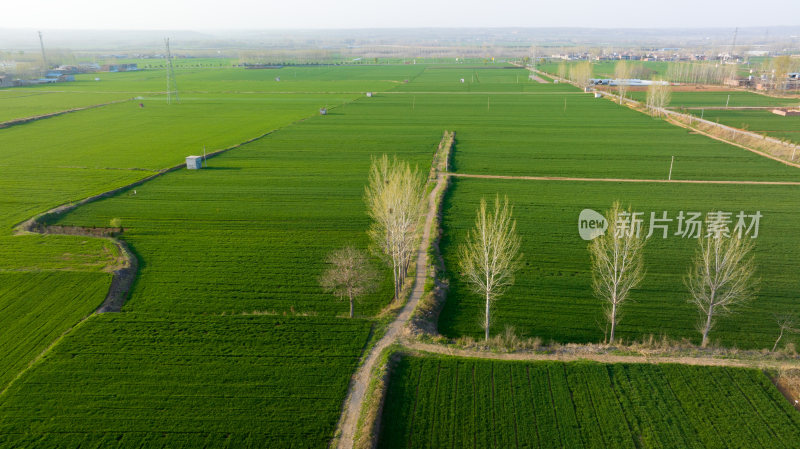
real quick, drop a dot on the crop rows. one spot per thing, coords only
(719, 99)
(467, 403)
(36, 308)
(238, 381)
(757, 121)
(23, 103)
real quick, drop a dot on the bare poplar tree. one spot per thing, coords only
(350, 275)
(617, 262)
(562, 70)
(621, 74)
(659, 95)
(581, 73)
(491, 254)
(395, 198)
(787, 324)
(721, 277)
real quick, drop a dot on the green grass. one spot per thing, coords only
(536, 135)
(468, 403)
(719, 99)
(605, 69)
(156, 136)
(758, 121)
(553, 298)
(70, 157)
(255, 227)
(35, 309)
(23, 103)
(322, 79)
(477, 79)
(126, 380)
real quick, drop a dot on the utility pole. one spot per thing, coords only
(45, 67)
(670, 168)
(171, 84)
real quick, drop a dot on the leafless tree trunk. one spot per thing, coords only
(721, 277)
(786, 323)
(349, 275)
(621, 74)
(581, 73)
(658, 96)
(395, 203)
(617, 262)
(491, 255)
(562, 70)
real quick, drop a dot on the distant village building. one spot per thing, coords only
(119, 68)
(6, 80)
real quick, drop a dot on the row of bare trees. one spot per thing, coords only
(395, 198)
(721, 276)
(659, 94)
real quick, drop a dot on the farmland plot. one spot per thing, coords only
(322, 79)
(469, 403)
(23, 103)
(36, 308)
(255, 226)
(553, 298)
(216, 381)
(70, 157)
(719, 99)
(576, 135)
(758, 121)
(490, 78)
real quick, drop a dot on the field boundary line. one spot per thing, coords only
(354, 402)
(606, 358)
(662, 181)
(44, 352)
(22, 121)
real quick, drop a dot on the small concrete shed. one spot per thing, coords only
(194, 162)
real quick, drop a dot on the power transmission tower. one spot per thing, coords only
(44, 57)
(172, 86)
(733, 45)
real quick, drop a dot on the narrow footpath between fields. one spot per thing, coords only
(665, 181)
(360, 381)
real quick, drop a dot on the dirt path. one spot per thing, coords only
(20, 121)
(360, 381)
(600, 357)
(538, 79)
(674, 181)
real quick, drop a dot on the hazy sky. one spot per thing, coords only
(269, 14)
